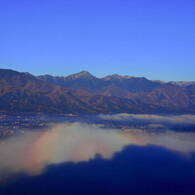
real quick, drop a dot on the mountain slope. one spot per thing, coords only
(22, 92)
(82, 80)
(132, 84)
(25, 93)
(85, 81)
(182, 83)
(167, 96)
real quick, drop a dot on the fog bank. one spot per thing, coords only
(31, 152)
(172, 119)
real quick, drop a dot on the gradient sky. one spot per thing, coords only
(150, 38)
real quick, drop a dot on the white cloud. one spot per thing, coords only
(33, 151)
(173, 119)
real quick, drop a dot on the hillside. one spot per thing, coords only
(171, 96)
(21, 92)
(84, 93)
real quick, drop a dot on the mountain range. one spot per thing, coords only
(83, 93)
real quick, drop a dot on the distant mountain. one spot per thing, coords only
(84, 80)
(21, 92)
(169, 96)
(84, 93)
(132, 84)
(182, 83)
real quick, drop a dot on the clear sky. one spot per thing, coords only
(150, 38)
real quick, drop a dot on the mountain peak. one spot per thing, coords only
(116, 76)
(82, 74)
(8, 72)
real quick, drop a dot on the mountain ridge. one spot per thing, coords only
(84, 93)
(21, 92)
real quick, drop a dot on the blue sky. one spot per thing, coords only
(150, 38)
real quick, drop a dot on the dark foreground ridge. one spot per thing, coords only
(83, 93)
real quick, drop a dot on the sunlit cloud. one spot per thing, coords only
(33, 151)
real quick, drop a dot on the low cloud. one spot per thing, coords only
(171, 119)
(33, 151)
